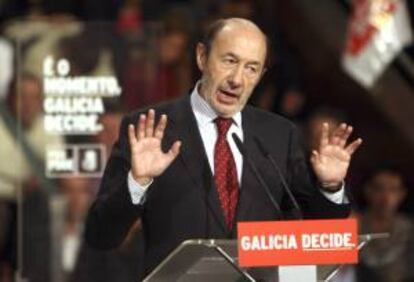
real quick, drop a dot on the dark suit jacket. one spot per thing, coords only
(183, 203)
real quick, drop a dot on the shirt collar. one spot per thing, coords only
(203, 112)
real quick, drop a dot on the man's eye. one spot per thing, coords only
(252, 70)
(229, 61)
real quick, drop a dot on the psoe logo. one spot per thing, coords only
(75, 160)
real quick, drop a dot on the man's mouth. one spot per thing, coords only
(226, 97)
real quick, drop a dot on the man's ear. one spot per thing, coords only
(201, 56)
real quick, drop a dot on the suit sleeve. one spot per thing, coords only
(304, 185)
(113, 213)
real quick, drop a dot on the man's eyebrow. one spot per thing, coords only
(231, 54)
(256, 63)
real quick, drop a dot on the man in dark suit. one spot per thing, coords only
(188, 179)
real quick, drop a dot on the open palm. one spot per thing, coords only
(330, 163)
(147, 158)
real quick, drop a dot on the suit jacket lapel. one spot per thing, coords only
(194, 157)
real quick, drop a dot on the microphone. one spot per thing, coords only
(298, 211)
(256, 173)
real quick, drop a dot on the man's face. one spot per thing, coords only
(172, 47)
(385, 193)
(232, 68)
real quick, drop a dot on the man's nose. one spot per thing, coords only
(236, 77)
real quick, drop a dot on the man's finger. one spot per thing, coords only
(345, 136)
(175, 150)
(131, 135)
(141, 126)
(351, 148)
(149, 125)
(314, 156)
(324, 136)
(338, 133)
(162, 124)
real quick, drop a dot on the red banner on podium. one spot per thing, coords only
(271, 243)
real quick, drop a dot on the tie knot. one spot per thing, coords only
(223, 125)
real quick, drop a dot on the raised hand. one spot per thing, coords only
(331, 161)
(147, 158)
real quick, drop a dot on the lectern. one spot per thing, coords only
(216, 260)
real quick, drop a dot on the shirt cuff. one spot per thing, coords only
(337, 197)
(136, 190)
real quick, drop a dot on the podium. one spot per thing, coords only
(216, 260)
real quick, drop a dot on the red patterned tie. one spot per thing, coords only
(225, 172)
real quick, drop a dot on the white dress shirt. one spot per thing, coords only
(205, 117)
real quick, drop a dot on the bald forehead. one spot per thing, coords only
(242, 34)
(241, 25)
(238, 23)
